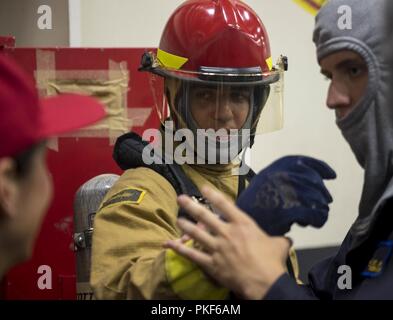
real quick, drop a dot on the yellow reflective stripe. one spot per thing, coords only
(311, 6)
(269, 62)
(188, 281)
(169, 60)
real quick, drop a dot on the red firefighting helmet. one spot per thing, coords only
(211, 42)
(200, 31)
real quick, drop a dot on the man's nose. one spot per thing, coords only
(337, 97)
(224, 111)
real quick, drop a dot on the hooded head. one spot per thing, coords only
(359, 26)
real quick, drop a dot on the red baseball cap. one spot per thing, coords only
(25, 119)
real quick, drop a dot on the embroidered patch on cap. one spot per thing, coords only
(132, 196)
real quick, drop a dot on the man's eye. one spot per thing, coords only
(239, 96)
(355, 71)
(205, 95)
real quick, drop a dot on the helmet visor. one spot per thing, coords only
(220, 98)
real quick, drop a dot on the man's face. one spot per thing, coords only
(28, 200)
(348, 75)
(220, 107)
(35, 194)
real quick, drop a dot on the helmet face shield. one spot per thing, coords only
(219, 98)
(271, 117)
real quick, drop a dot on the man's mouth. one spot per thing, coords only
(222, 138)
(342, 113)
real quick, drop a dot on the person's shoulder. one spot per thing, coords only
(145, 178)
(136, 184)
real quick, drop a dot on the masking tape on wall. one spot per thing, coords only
(109, 86)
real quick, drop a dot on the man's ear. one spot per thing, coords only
(8, 188)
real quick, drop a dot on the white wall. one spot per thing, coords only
(19, 19)
(309, 126)
(124, 23)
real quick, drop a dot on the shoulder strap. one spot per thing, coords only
(185, 185)
(128, 154)
(243, 178)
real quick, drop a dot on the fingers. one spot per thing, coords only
(318, 218)
(185, 238)
(308, 186)
(227, 208)
(321, 167)
(201, 214)
(200, 235)
(199, 257)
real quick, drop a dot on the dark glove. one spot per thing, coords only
(291, 190)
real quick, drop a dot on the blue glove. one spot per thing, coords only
(291, 190)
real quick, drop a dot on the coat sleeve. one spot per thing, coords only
(322, 283)
(128, 259)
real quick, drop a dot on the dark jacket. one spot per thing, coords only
(370, 262)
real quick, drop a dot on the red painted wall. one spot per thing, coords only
(76, 161)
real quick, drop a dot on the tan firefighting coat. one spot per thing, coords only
(137, 216)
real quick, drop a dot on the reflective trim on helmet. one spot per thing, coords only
(212, 79)
(169, 60)
(166, 65)
(269, 62)
(188, 281)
